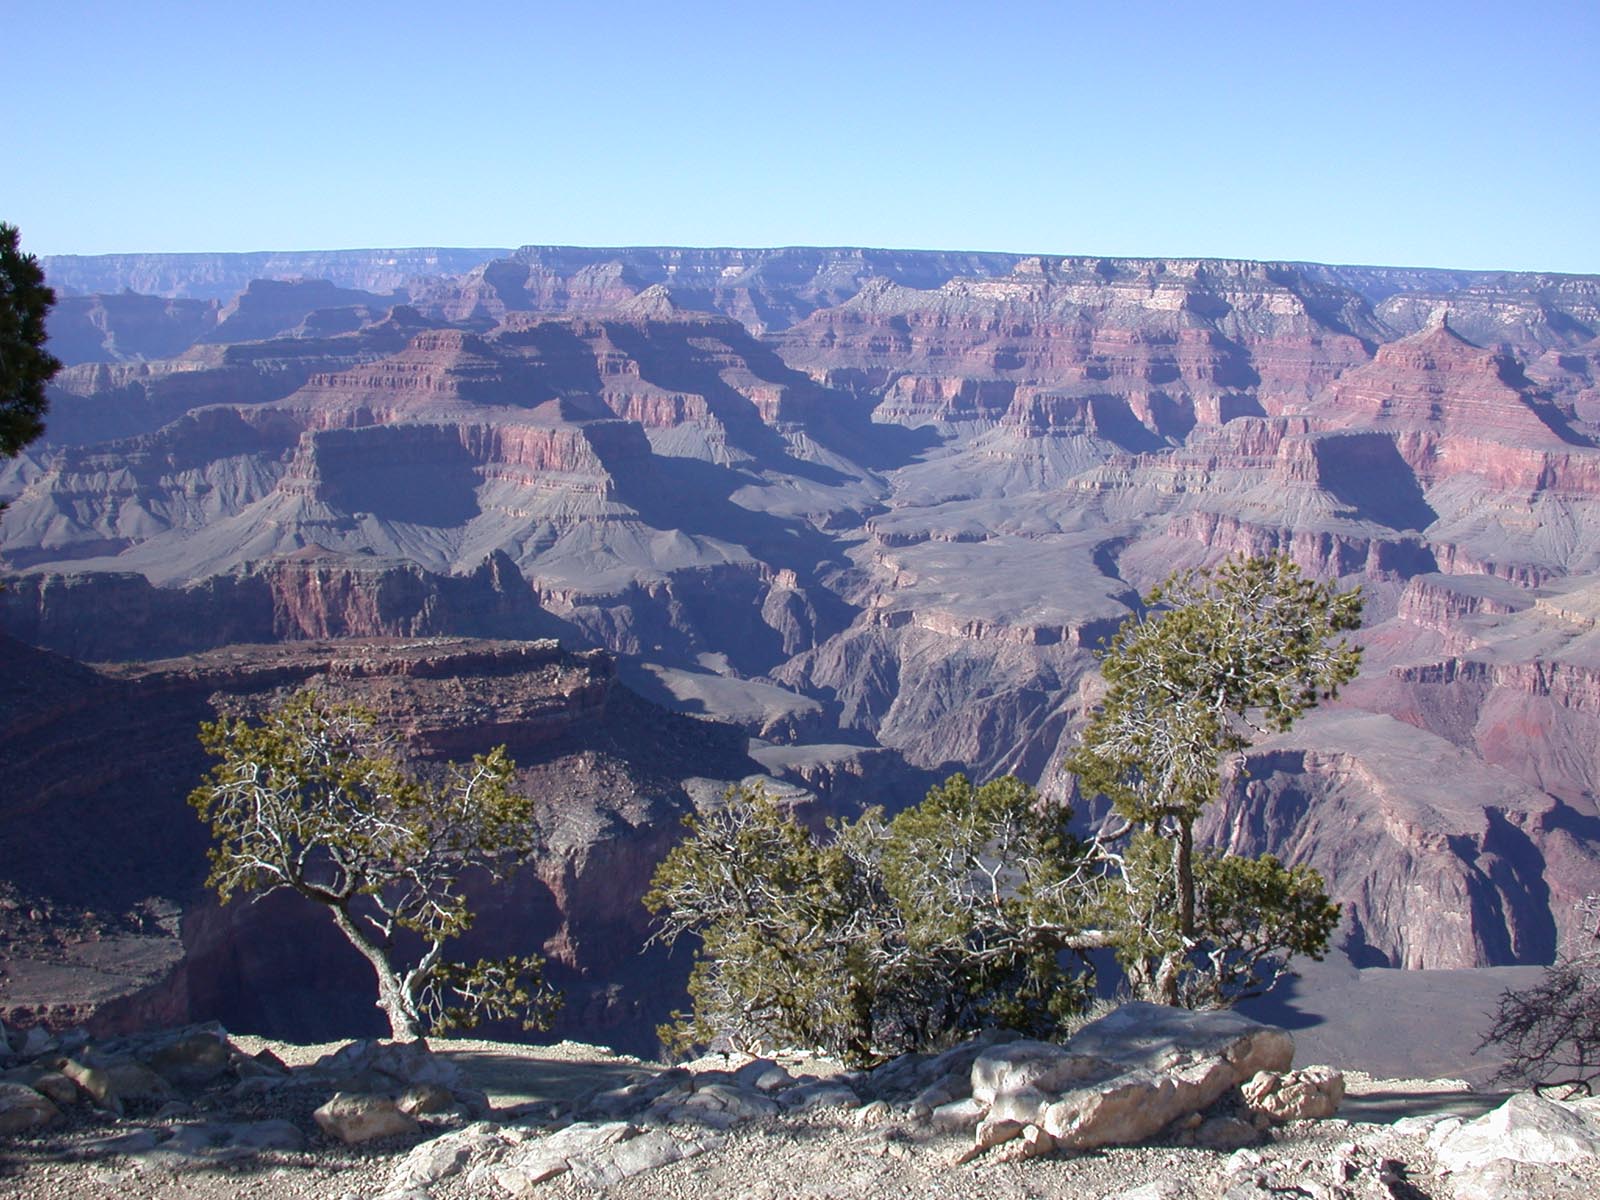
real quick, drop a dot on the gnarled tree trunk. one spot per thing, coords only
(396, 1003)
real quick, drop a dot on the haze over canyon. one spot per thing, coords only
(865, 514)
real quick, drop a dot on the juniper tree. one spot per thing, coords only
(788, 927)
(882, 936)
(1216, 658)
(976, 906)
(315, 800)
(25, 365)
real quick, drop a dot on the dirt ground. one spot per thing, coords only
(824, 1154)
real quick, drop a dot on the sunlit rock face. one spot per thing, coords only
(877, 509)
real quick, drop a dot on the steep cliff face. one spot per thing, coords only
(91, 403)
(868, 501)
(763, 289)
(307, 595)
(283, 308)
(1452, 408)
(1439, 860)
(126, 326)
(1170, 344)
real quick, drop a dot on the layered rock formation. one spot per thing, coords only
(864, 501)
(223, 276)
(126, 326)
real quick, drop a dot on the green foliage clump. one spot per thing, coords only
(886, 936)
(313, 799)
(1217, 658)
(991, 888)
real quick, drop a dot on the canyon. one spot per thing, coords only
(665, 520)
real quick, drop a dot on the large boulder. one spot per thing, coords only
(394, 1065)
(1135, 1105)
(93, 1082)
(133, 1082)
(1309, 1094)
(41, 1079)
(22, 1109)
(1526, 1128)
(353, 1117)
(1124, 1078)
(1156, 1037)
(191, 1058)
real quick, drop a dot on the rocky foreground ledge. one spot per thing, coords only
(1146, 1103)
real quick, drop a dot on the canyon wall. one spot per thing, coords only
(877, 509)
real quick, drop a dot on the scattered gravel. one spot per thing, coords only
(826, 1153)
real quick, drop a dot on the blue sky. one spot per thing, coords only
(1407, 133)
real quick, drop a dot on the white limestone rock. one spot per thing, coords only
(610, 1165)
(1169, 1063)
(1042, 1066)
(1309, 1094)
(550, 1156)
(1526, 1128)
(1157, 1038)
(1137, 1105)
(957, 1115)
(442, 1157)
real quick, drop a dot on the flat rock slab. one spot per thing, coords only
(196, 1147)
(441, 1157)
(553, 1155)
(611, 1165)
(1042, 1066)
(1154, 1037)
